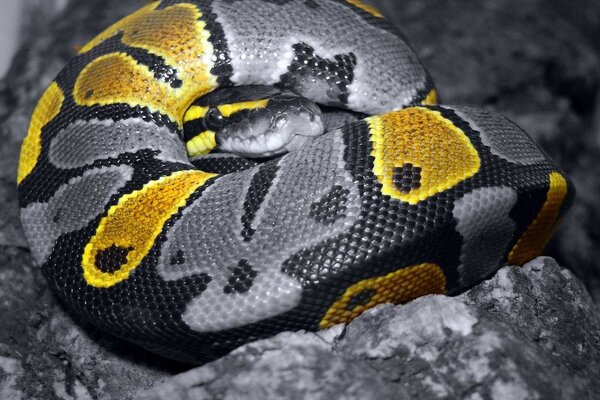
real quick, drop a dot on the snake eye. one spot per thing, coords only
(213, 119)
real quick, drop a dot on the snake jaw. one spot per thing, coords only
(273, 136)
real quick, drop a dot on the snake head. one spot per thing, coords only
(252, 121)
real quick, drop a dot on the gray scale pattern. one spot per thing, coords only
(214, 222)
(84, 142)
(261, 53)
(486, 227)
(72, 207)
(503, 137)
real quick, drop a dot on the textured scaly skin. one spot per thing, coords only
(190, 264)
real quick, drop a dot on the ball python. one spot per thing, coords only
(146, 228)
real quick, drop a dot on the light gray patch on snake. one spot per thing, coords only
(336, 118)
(261, 53)
(504, 138)
(83, 142)
(486, 227)
(283, 227)
(322, 80)
(304, 178)
(72, 207)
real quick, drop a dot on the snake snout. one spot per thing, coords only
(289, 123)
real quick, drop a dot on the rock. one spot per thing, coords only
(527, 333)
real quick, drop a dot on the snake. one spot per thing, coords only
(203, 174)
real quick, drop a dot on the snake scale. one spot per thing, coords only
(192, 258)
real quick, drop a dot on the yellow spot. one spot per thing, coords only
(195, 112)
(117, 78)
(201, 144)
(370, 9)
(397, 287)
(135, 222)
(228, 110)
(47, 108)
(427, 145)
(431, 98)
(177, 35)
(533, 241)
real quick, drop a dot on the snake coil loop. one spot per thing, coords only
(192, 261)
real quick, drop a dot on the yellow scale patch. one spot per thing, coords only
(123, 81)
(370, 9)
(195, 112)
(397, 287)
(533, 241)
(426, 140)
(135, 222)
(174, 33)
(431, 98)
(201, 144)
(47, 108)
(177, 35)
(229, 109)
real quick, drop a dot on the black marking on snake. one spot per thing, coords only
(241, 279)
(178, 258)
(307, 67)
(125, 111)
(156, 64)
(222, 60)
(57, 216)
(311, 4)
(112, 259)
(360, 299)
(237, 94)
(407, 177)
(223, 165)
(331, 207)
(259, 187)
(193, 128)
(146, 168)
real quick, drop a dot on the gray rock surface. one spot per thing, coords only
(525, 332)
(528, 333)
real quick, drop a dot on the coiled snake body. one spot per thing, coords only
(192, 262)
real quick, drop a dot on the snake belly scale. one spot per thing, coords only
(189, 263)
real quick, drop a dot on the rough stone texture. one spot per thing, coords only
(524, 332)
(528, 333)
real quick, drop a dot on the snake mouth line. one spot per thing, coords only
(275, 137)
